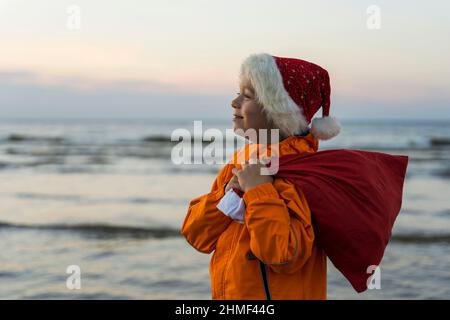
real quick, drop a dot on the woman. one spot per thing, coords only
(272, 253)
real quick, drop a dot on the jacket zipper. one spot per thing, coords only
(262, 268)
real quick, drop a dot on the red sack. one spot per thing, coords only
(354, 197)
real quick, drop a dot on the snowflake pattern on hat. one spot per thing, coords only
(305, 79)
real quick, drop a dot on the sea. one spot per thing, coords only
(103, 197)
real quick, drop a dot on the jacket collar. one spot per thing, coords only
(290, 145)
(298, 144)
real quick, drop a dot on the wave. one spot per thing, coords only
(90, 199)
(92, 154)
(421, 238)
(440, 141)
(23, 144)
(59, 166)
(412, 143)
(157, 138)
(100, 231)
(19, 138)
(433, 143)
(168, 140)
(442, 173)
(108, 154)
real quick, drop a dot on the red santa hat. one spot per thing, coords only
(291, 91)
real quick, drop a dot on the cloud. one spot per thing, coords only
(28, 95)
(84, 83)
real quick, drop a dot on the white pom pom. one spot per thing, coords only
(325, 128)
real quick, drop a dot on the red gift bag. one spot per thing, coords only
(354, 197)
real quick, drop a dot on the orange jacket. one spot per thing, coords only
(274, 253)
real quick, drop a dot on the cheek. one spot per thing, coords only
(253, 115)
(250, 109)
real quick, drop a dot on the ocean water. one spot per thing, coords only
(104, 195)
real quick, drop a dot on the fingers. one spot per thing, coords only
(253, 163)
(258, 163)
(234, 181)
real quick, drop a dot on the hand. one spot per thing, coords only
(250, 175)
(233, 183)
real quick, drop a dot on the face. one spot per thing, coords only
(247, 112)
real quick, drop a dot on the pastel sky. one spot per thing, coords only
(155, 58)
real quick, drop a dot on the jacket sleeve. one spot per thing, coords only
(279, 223)
(204, 223)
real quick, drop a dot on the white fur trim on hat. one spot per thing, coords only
(267, 81)
(325, 128)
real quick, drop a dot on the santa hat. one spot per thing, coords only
(291, 91)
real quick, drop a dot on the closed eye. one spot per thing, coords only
(245, 96)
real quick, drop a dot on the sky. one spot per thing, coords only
(181, 58)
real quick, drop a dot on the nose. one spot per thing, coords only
(235, 103)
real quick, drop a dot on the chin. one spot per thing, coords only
(239, 130)
(235, 128)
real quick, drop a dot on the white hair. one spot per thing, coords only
(265, 77)
(263, 73)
